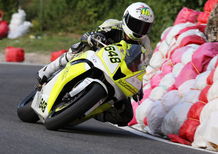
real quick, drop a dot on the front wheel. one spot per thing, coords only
(24, 110)
(76, 107)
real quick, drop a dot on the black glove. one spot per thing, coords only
(93, 39)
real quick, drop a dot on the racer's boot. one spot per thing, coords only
(121, 114)
(47, 71)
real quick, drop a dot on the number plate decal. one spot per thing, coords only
(112, 58)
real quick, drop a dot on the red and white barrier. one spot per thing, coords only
(180, 87)
(186, 15)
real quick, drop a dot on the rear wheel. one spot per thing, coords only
(24, 110)
(75, 108)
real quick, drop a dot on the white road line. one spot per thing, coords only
(140, 133)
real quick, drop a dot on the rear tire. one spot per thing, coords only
(24, 110)
(72, 112)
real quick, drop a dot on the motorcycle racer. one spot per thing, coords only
(134, 27)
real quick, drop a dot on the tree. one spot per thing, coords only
(8, 7)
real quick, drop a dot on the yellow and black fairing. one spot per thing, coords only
(128, 61)
(109, 61)
(74, 73)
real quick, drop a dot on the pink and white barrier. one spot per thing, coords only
(180, 88)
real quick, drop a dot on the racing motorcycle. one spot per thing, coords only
(88, 85)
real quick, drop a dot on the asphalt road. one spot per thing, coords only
(91, 137)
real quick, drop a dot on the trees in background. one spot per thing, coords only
(83, 15)
(8, 6)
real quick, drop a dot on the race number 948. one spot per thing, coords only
(114, 58)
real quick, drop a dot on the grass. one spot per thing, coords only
(43, 44)
(46, 43)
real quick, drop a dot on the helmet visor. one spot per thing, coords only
(139, 27)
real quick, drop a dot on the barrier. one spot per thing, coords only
(13, 54)
(3, 29)
(56, 54)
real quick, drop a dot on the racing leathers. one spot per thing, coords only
(109, 32)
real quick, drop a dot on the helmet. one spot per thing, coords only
(137, 20)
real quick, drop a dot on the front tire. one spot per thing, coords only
(24, 110)
(88, 98)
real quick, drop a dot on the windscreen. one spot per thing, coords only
(135, 58)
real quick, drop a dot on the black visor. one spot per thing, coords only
(139, 27)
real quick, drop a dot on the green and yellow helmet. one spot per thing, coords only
(137, 20)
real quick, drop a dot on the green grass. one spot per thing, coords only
(46, 43)
(43, 44)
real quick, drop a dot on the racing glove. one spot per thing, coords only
(94, 39)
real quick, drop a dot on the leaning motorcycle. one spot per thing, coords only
(88, 85)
